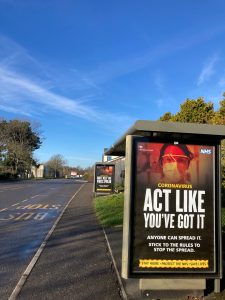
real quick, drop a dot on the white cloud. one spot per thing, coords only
(160, 84)
(222, 82)
(27, 89)
(26, 96)
(13, 110)
(120, 67)
(208, 70)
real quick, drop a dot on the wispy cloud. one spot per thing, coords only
(160, 84)
(13, 110)
(30, 88)
(120, 67)
(28, 92)
(222, 81)
(208, 70)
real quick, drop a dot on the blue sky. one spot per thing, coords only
(86, 70)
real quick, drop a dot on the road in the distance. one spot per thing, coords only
(28, 210)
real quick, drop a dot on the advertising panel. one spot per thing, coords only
(104, 178)
(173, 208)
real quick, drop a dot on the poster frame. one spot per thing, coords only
(95, 179)
(128, 228)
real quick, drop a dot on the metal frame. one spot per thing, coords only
(128, 209)
(113, 178)
(165, 130)
(187, 132)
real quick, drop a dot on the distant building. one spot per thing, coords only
(119, 162)
(37, 172)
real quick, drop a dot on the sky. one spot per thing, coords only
(86, 70)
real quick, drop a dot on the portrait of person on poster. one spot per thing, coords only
(103, 170)
(174, 161)
(174, 196)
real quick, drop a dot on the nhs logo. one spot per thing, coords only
(205, 151)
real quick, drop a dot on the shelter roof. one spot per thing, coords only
(176, 130)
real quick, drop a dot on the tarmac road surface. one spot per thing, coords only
(74, 264)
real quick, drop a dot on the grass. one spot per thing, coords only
(223, 219)
(109, 209)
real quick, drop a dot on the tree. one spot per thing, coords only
(166, 117)
(2, 140)
(219, 119)
(17, 143)
(192, 111)
(199, 111)
(56, 163)
(219, 116)
(89, 173)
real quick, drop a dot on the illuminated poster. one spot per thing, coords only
(104, 178)
(173, 217)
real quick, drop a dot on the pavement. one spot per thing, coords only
(75, 263)
(131, 286)
(82, 260)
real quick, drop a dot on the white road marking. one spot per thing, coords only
(3, 209)
(34, 260)
(15, 204)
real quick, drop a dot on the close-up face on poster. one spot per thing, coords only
(173, 216)
(104, 178)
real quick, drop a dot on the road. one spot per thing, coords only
(28, 210)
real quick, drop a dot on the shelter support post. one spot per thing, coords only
(216, 285)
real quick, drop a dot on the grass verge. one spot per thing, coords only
(109, 209)
(223, 219)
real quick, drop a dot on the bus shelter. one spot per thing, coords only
(172, 209)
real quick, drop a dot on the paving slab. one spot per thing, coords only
(77, 264)
(131, 286)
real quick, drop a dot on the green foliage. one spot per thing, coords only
(223, 186)
(88, 173)
(17, 142)
(195, 111)
(192, 111)
(199, 111)
(223, 219)
(223, 153)
(109, 209)
(166, 117)
(219, 117)
(118, 188)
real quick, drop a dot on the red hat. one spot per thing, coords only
(174, 150)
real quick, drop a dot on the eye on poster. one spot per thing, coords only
(104, 178)
(173, 208)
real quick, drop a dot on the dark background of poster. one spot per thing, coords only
(105, 171)
(148, 176)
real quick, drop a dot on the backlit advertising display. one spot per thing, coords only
(104, 178)
(173, 209)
